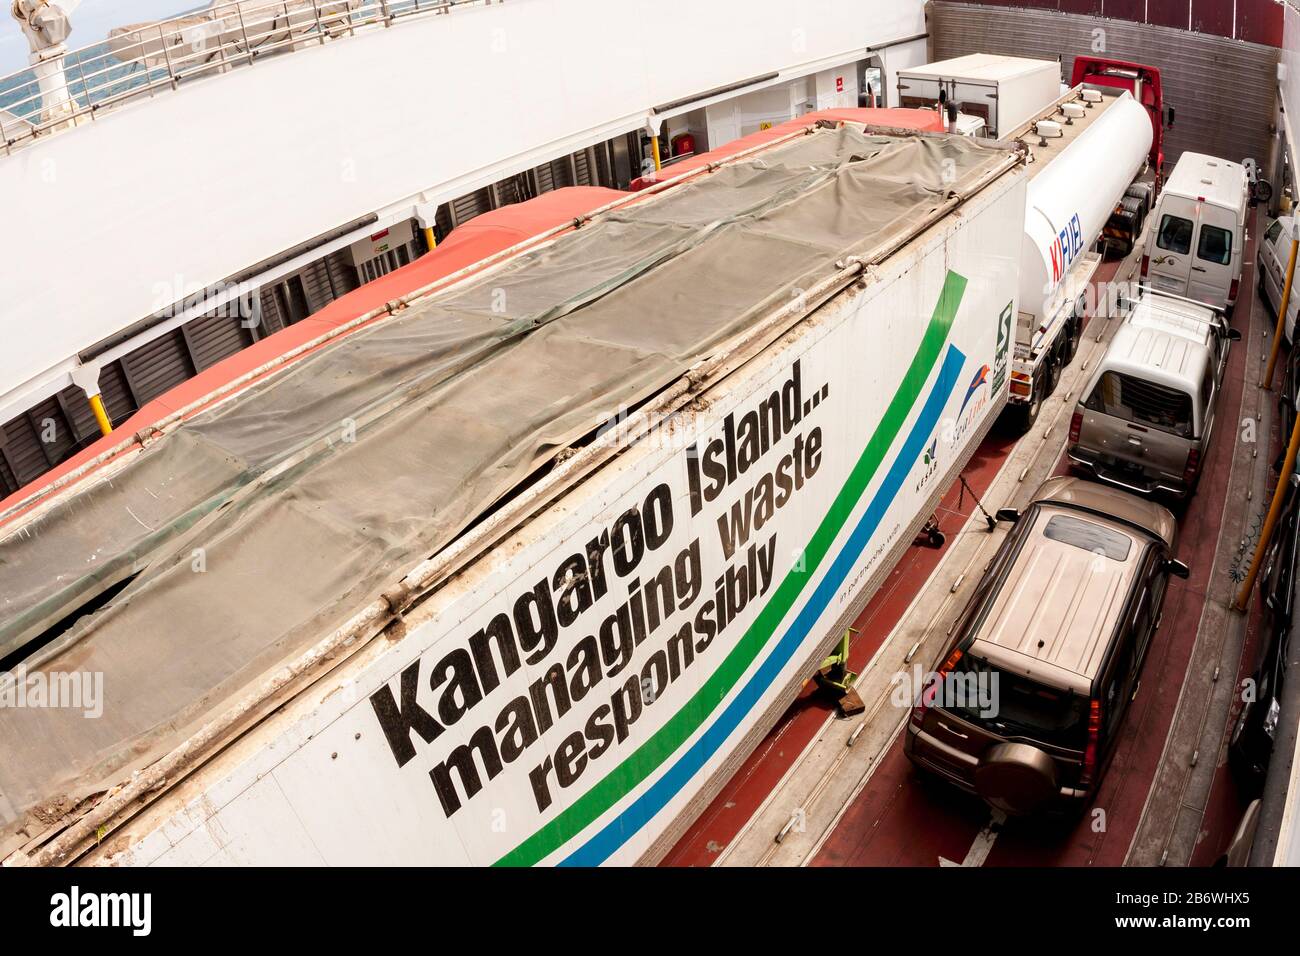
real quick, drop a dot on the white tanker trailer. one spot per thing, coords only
(1089, 150)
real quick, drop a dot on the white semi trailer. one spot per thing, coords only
(1003, 91)
(571, 678)
(1086, 153)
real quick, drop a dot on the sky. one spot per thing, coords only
(90, 23)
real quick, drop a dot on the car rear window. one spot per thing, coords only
(1023, 707)
(1145, 403)
(1274, 231)
(1175, 234)
(1215, 245)
(1088, 535)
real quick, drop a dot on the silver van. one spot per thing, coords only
(1274, 254)
(1145, 418)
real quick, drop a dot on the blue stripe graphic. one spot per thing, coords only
(614, 834)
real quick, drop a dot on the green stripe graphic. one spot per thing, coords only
(685, 722)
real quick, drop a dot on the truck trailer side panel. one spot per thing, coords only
(1004, 91)
(578, 693)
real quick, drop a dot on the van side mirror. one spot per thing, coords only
(1178, 569)
(1170, 116)
(1009, 515)
(1233, 335)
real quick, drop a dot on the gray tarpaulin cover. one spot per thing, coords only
(455, 402)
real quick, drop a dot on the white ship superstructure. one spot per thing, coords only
(220, 175)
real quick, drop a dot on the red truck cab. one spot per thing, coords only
(1144, 83)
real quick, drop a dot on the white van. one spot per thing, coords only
(1199, 234)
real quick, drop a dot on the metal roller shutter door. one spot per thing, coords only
(23, 452)
(511, 190)
(116, 394)
(27, 453)
(214, 337)
(9, 483)
(272, 321)
(73, 402)
(475, 204)
(343, 278)
(1224, 90)
(316, 282)
(157, 366)
(47, 420)
(582, 168)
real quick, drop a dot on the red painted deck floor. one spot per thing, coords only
(738, 801)
(900, 818)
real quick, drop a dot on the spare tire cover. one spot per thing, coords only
(1016, 778)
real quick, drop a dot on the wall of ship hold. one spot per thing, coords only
(1254, 21)
(581, 693)
(1221, 89)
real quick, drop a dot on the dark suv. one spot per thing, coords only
(1026, 704)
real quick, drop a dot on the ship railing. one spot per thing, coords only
(141, 60)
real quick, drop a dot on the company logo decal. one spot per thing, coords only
(1065, 248)
(1004, 344)
(981, 378)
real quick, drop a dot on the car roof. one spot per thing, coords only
(1157, 354)
(1192, 320)
(1208, 179)
(1155, 519)
(1287, 225)
(1059, 605)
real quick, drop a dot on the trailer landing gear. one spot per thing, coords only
(835, 678)
(932, 534)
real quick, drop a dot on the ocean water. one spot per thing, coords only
(19, 93)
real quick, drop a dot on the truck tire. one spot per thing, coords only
(1023, 416)
(1128, 222)
(1136, 207)
(1143, 192)
(1073, 333)
(1055, 363)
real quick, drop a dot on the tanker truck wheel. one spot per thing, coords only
(1055, 362)
(1073, 333)
(1130, 215)
(1025, 415)
(1143, 193)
